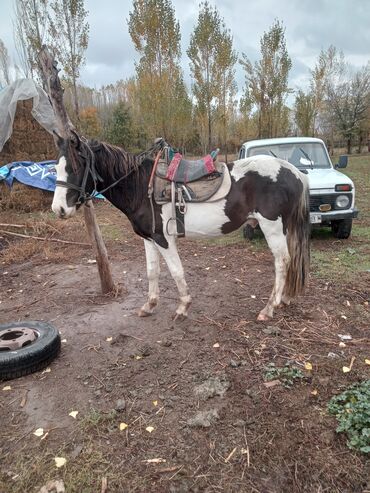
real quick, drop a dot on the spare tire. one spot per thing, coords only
(26, 347)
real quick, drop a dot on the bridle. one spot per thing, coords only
(90, 169)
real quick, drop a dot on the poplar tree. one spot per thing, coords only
(211, 62)
(161, 91)
(267, 81)
(70, 32)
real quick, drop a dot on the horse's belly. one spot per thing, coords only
(201, 220)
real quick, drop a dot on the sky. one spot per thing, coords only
(310, 26)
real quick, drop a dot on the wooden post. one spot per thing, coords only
(101, 255)
(55, 91)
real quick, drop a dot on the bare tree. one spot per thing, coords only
(348, 101)
(30, 33)
(70, 30)
(4, 64)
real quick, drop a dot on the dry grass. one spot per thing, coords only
(22, 198)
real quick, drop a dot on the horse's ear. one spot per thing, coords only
(75, 139)
(59, 139)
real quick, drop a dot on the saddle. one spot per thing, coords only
(179, 181)
(198, 180)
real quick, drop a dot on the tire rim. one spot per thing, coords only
(16, 338)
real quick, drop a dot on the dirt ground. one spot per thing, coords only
(198, 383)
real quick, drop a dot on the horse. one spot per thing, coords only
(264, 188)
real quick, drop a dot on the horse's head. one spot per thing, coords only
(75, 180)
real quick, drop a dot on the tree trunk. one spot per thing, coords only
(349, 145)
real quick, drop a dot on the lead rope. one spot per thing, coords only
(151, 188)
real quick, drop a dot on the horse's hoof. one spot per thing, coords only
(262, 317)
(179, 317)
(143, 313)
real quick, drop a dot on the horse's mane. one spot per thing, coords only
(113, 162)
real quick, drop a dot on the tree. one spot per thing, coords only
(267, 81)
(206, 44)
(4, 64)
(70, 32)
(225, 59)
(348, 101)
(160, 90)
(304, 112)
(120, 129)
(89, 122)
(31, 32)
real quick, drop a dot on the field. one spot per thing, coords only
(193, 394)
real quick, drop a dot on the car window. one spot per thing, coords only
(301, 155)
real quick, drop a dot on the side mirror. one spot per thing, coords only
(342, 163)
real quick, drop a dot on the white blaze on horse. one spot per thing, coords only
(208, 203)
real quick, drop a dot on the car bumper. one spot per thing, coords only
(327, 217)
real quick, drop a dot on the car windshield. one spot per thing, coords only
(302, 155)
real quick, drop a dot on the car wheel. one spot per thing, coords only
(26, 347)
(342, 228)
(248, 232)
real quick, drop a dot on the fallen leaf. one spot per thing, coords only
(39, 432)
(367, 361)
(138, 357)
(91, 261)
(342, 344)
(60, 461)
(308, 366)
(154, 461)
(73, 414)
(149, 429)
(347, 369)
(344, 317)
(253, 296)
(122, 426)
(47, 370)
(109, 339)
(314, 392)
(155, 403)
(216, 344)
(7, 387)
(272, 383)
(207, 268)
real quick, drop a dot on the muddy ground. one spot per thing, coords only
(233, 434)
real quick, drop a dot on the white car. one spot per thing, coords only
(332, 194)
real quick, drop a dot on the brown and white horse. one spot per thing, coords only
(270, 190)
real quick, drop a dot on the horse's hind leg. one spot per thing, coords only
(153, 268)
(175, 267)
(276, 239)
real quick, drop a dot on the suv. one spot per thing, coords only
(332, 194)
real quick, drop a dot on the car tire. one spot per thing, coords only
(248, 232)
(32, 357)
(342, 228)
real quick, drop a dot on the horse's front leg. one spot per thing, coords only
(175, 267)
(153, 268)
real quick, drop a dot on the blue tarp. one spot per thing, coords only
(39, 175)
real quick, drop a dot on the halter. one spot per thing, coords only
(90, 168)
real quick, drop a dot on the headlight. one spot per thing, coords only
(341, 202)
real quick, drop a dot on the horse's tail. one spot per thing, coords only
(298, 237)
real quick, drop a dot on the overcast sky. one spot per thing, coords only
(310, 26)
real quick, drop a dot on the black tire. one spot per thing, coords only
(33, 357)
(342, 228)
(248, 232)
